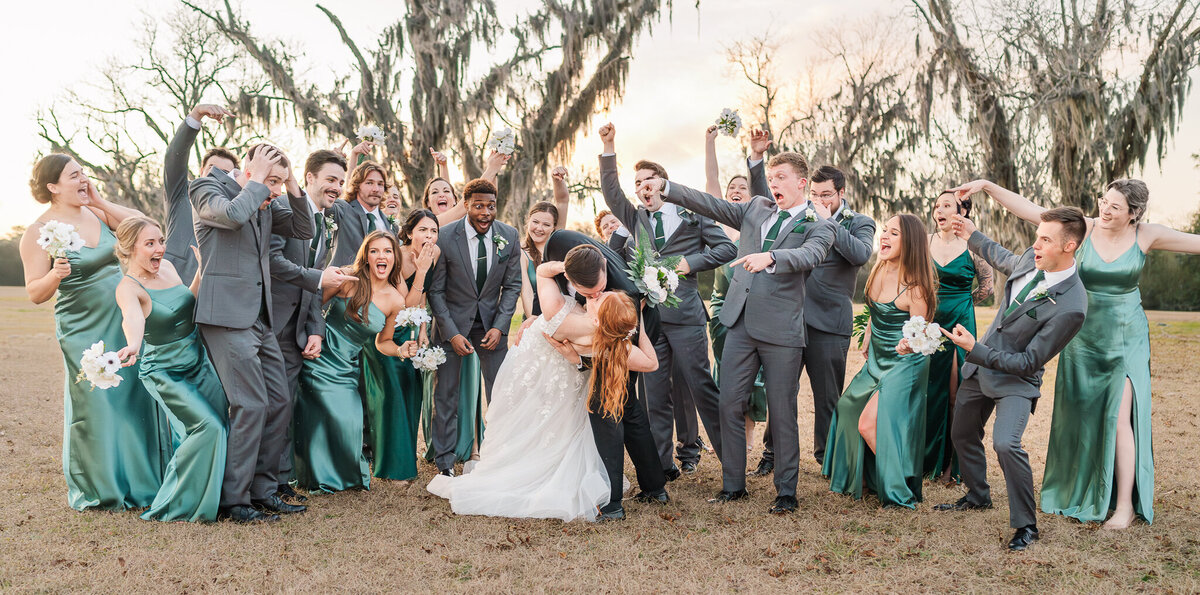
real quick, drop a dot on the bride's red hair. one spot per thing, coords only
(617, 318)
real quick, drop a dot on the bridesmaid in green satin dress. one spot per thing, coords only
(328, 423)
(394, 388)
(116, 441)
(1100, 456)
(158, 308)
(877, 434)
(955, 305)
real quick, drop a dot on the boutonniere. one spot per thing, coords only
(1041, 294)
(500, 243)
(810, 215)
(391, 219)
(331, 226)
(688, 216)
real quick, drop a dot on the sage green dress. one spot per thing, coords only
(175, 370)
(1112, 345)
(116, 441)
(894, 471)
(394, 389)
(716, 331)
(328, 421)
(955, 305)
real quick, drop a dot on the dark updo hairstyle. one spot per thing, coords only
(47, 170)
(410, 223)
(963, 205)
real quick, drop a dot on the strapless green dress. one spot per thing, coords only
(175, 370)
(328, 421)
(894, 472)
(393, 388)
(1112, 345)
(716, 331)
(116, 442)
(955, 306)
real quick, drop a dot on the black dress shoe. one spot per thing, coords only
(688, 468)
(672, 474)
(660, 497)
(616, 514)
(274, 504)
(287, 492)
(964, 504)
(245, 514)
(1023, 538)
(727, 496)
(447, 472)
(764, 468)
(783, 505)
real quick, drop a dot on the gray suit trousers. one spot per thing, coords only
(682, 384)
(445, 394)
(293, 362)
(971, 411)
(251, 369)
(781, 366)
(825, 360)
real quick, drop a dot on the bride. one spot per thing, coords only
(539, 459)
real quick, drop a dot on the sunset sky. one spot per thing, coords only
(678, 84)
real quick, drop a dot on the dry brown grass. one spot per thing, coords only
(402, 539)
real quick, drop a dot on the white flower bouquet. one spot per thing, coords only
(428, 359)
(503, 142)
(413, 317)
(654, 276)
(99, 367)
(58, 238)
(730, 122)
(370, 133)
(924, 337)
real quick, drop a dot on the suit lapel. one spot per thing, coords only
(1025, 267)
(461, 242)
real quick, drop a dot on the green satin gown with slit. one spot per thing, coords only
(955, 306)
(116, 441)
(1112, 345)
(328, 421)
(175, 370)
(394, 390)
(894, 471)
(716, 331)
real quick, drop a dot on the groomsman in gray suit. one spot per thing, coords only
(235, 217)
(473, 295)
(703, 246)
(180, 234)
(359, 214)
(1043, 308)
(298, 273)
(783, 238)
(828, 311)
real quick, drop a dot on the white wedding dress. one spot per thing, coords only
(538, 459)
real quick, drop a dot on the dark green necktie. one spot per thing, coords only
(660, 238)
(774, 231)
(480, 263)
(371, 224)
(318, 236)
(1025, 292)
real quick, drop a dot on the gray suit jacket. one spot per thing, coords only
(294, 289)
(775, 300)
(453, 297)
(352, 229)
(1010, 358)
(234, 238)
(699, 240)
(180, 235)
(829, 292)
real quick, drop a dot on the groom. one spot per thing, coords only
(592, 269)
(1044, 306)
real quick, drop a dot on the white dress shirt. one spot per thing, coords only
(670, 218)
(1050, 280)
(473, 245)
(381, 224)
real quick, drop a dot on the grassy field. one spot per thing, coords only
(397, 538)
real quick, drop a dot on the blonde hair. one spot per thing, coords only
(127, 236)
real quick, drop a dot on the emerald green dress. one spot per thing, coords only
(328, 421)
(1112, 345)
(116, 441)
(716, 330)
(955, 305)
(894, 471)
(394, 390)
(175, 370)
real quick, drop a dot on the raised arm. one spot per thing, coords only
(111, 214)
(760, 141)
(495, 162)
(548, 294)
(215, 210)
(712, 173)
(179, 231)
(1015, 203)
(292, 220)
(729, 213)
(562, 195)
(1173, 240)
(719, 249)
(610, 182)
(443, 163)
(994, 254)
(984, 280)
(811, 253)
